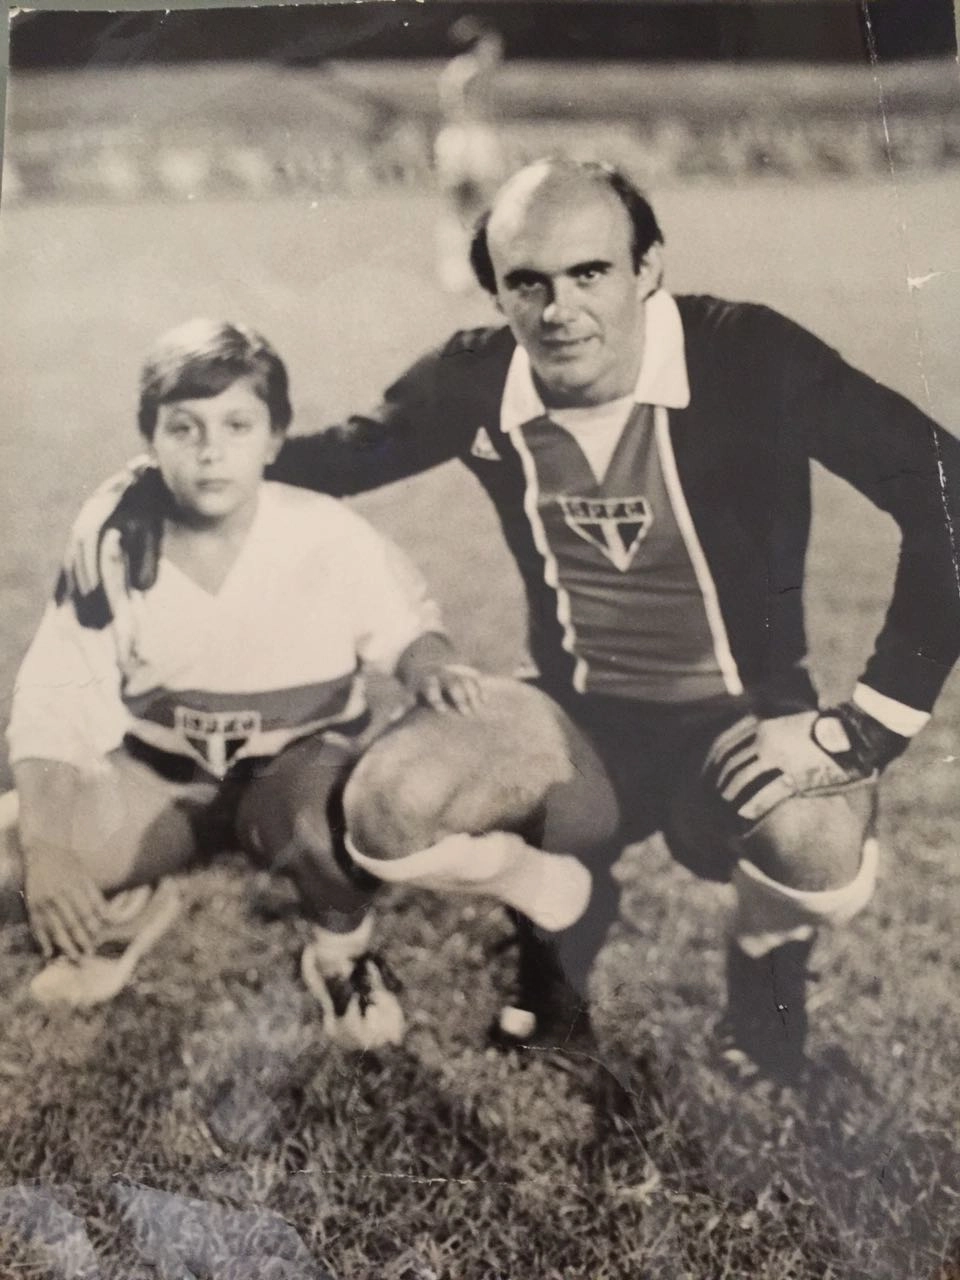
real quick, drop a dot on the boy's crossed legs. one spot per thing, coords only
(144, 816)
(495, 774)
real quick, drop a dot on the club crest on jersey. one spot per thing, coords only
(216, 737)
(615, 526)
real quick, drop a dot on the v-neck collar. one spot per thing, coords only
(577, 469)
(242, 552)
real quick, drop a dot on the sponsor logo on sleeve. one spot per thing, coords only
(483, 446)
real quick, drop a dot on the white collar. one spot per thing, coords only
(663, 372)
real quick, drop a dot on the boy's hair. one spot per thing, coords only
(201, 358)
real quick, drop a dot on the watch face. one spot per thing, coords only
(830, 734)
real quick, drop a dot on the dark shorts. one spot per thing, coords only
(150, 813)
(653, 755)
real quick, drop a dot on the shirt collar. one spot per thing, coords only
(663, 372)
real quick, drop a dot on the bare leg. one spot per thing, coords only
(127, 825)
(518, 766)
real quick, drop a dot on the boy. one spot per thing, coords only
(223, 704)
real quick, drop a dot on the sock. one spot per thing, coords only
(334, 952)
(553, 889)
(770, 914)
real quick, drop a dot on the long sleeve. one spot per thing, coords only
(909, 467)
(409, 431)
(66, 698)
(428, 416)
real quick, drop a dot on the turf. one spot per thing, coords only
(212, 1079)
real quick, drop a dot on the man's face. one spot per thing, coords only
(212, 452)
(566, 285)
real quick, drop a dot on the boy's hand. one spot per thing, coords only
(67, 910)
(452, 686)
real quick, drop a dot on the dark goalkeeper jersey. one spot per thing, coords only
(633, 610)
(766, 399)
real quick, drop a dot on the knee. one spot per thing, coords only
(810, 843)
(393, 805)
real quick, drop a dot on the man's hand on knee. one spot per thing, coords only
(799, 789)
(758, 764)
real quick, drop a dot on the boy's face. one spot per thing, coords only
(212, 452)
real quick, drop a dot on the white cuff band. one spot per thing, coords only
(893, 715)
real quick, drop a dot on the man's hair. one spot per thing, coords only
(645, 228)
(200, 359)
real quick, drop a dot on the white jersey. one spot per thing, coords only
(273, 655)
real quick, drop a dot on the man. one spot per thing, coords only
(649, 459)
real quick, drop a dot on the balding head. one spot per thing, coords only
(547, 189)
(571, 251)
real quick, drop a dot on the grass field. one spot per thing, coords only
(212, 1080)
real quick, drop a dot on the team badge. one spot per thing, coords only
(483, 447)
(615, 526)
(216, 737)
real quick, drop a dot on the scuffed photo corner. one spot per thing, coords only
(480, 487)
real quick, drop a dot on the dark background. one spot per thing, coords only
(815, 30)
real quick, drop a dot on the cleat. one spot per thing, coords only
(516, 1024)
(138, 919)
(544, 1010)
(360, 1006)
(763, 1032)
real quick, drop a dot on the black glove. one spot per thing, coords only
(139, 517)
(857, 741)
(134, 503)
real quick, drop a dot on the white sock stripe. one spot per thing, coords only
(819, 899)
(331, 950)
(343, 940)
(770, 913)
(553, 889)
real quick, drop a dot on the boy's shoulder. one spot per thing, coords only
(308, 515)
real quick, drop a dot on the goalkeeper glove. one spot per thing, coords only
(859, 743)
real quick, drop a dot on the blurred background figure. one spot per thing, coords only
(468, 150)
